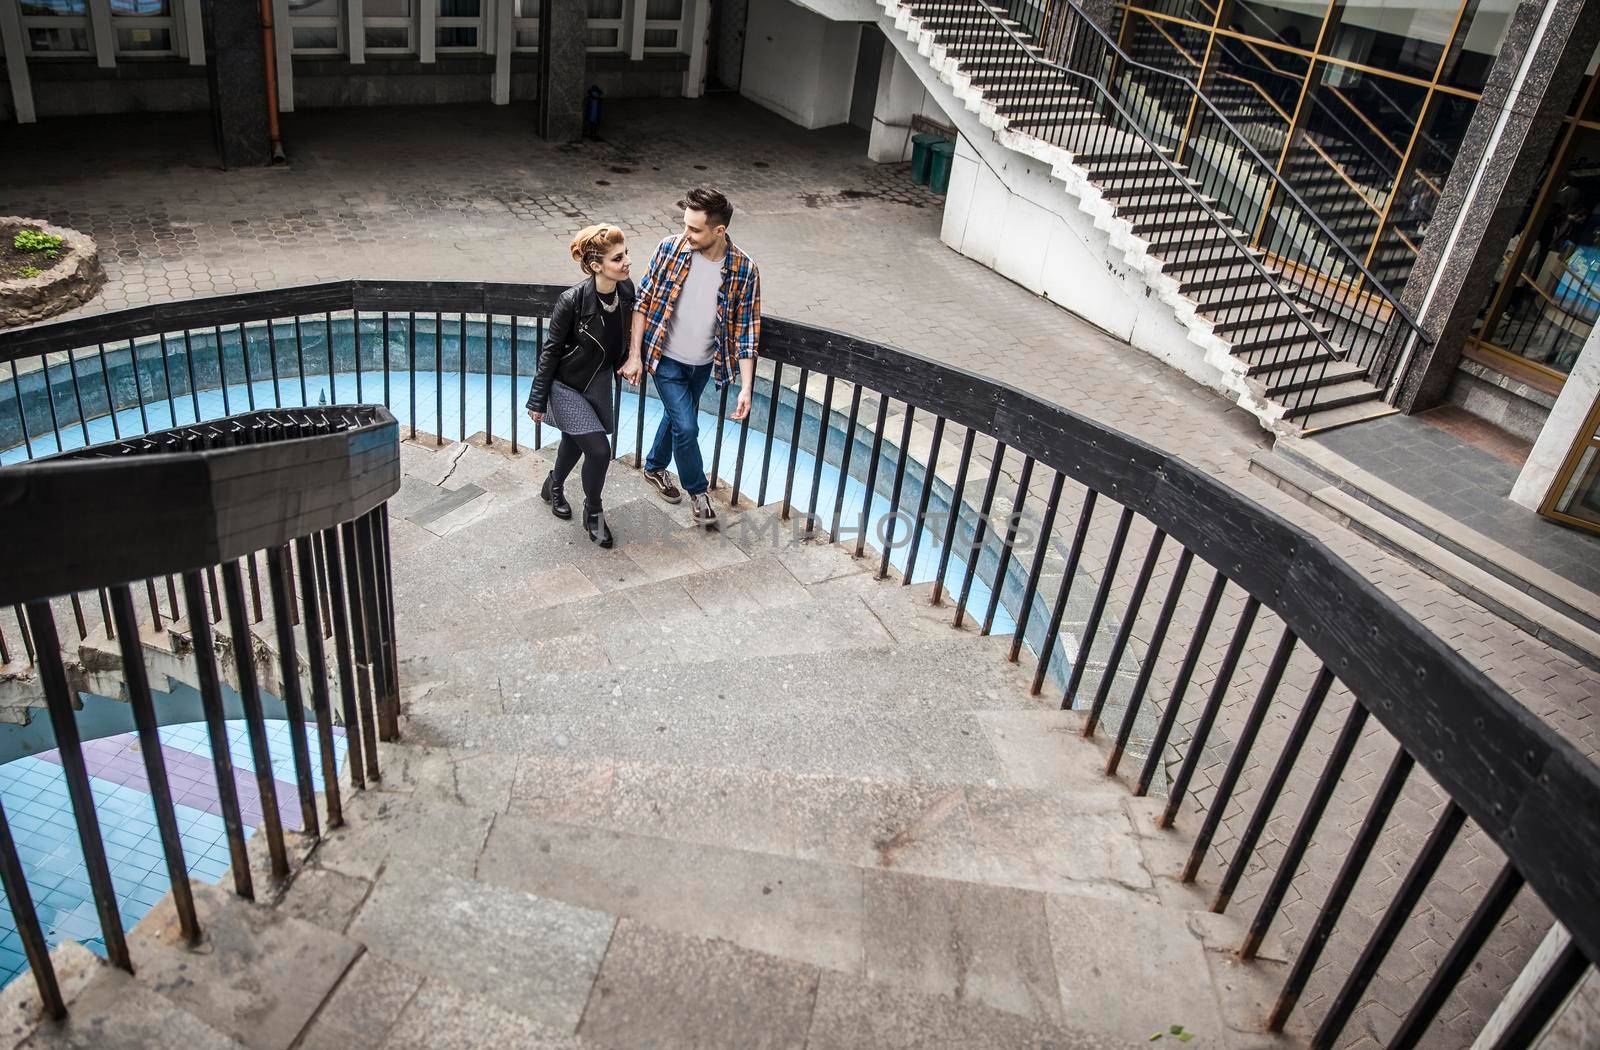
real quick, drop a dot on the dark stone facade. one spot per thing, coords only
(236, 70)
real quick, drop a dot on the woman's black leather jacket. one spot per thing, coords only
(575, 349)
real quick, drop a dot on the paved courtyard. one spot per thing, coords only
(470, 194)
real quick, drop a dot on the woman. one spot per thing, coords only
(585, 344)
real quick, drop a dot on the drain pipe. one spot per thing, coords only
(269, 54)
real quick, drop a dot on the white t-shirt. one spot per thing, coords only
(692, 326)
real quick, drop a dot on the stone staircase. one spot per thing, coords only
(707, 789)
(1232, 309)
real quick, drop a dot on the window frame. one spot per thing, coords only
(336, 21)
(57, 22)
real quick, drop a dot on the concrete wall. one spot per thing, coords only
(1500, 399)
(1008, 212)
(901, 96)
(799, 64)
(65, 89)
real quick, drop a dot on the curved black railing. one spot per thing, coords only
(1263, 219)
(1371, 675)
(301, 489)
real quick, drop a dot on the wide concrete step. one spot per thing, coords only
(583, 902)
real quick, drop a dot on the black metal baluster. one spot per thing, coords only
(136, 680)
(716, 442)
(975, 548)
(438, 378)
(823, 418)
(461, 385)
(300, 361)
(844, 461)
(638, 432)
(358, 547)
(1544, 999)
(77, 615)
(1119, 644)
(355, 329)
(22, 415)
(738, 459)
(1274, 787)
(255, 722)
(27, 921)
(386, 401)
(249, 372)
(538, 428)
(155, 606)
(222, 369)
(794, 443)
(77, 396)
(772, 426)
(872, 473)
(327, 333)
(188, 362)
(514, 388)
(1416, 881)
(205, 656)
(887, 536)
(929, 476)
(616, 416)
(255, 587)
(69, 749)
(1158, 638)
(138, 387)
(1208, 714)
(1241, 754)
(27, 639)
(488, 380)
(1343, 884)
(379, 518)
(289, 686)
(1295, 852)
(1191, 657)
(272, 360)
(358, 737)
(1463, 950)
(105, 614)
(1091, 629)
(211, 586)
(1013, 523)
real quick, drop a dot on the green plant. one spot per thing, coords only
(47, 244)
(31, 271)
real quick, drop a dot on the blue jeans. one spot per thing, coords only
(679, 387)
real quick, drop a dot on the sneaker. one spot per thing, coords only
(662, 482)
(700, 508)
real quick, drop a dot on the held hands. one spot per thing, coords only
(742, 409)
(632, 369)
(537, 417)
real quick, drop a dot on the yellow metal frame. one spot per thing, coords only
(1588, 437)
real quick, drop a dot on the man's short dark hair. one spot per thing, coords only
(716, 207)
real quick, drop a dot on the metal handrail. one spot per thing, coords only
(1280, 184)
(1530, 792)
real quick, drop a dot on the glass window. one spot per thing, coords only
(605, 25)
(1396, 36)
(152, 8)
(1286, 22)
(143, 27)
(1549, 275)
(525, 25)
(459, 25)
(1482, 31)
(1256, 86)
(1169, 46)
(388, 38)
(157, 40)
(387, 9)
(1192, 10)
(315, 27)
(56, 27)
(1578, 499)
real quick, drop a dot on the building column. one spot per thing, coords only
(237, 72)
(563, 57)
(14, 43)
(901, 96)
(697, 23)
(505, 39)
(283, 44)
(1498, 169)
(1571, 411)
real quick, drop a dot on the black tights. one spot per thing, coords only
(596, 452)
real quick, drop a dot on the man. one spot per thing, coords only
(698, 317)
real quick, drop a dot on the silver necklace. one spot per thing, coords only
(611, 307)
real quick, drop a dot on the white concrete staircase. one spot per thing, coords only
(1250, 342)
(702, 790)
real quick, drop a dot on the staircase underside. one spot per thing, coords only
(708, 789)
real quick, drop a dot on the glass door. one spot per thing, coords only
(1574, 499)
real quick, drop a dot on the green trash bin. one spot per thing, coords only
(922, 157)
(943, 155)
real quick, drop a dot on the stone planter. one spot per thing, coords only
(75, 279)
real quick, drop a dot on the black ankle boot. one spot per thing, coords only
(551, 494)
(595, 522)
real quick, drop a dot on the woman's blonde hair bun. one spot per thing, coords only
(592, 244)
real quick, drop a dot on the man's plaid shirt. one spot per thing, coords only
(737, 333)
